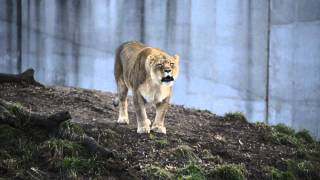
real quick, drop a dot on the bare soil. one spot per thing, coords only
(213, 139)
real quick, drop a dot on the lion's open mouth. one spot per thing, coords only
(167, 79)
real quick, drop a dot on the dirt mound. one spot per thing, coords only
(198, 144)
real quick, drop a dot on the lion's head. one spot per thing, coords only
(163, 68)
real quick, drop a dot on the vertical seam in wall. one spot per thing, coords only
(189, 46)
(167, 25)
(19, 35)
(142, 25)
(268, 64)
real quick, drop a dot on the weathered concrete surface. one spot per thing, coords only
(295, 64)
(223, 47)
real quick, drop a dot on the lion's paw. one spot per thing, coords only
(123, 120)
(159, 129)
(145, 127)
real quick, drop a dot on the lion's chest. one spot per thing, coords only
(154, 94)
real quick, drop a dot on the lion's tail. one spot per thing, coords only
(116, 101)
(118, 71)
(117, 64)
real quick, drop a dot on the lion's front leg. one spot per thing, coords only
(161, 109)
(142, 120)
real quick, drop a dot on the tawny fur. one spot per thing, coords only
(141, 69)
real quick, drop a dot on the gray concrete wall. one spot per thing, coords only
(295, 64)
(223, 45)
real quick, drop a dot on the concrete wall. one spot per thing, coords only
(223, 45)
(295, 64)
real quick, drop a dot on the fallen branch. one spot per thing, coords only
(57, 124)
(25, 77)
(89, 142)
(17, 116)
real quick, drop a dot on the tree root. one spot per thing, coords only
(25, 77)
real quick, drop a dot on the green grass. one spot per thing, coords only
(72, 159)
(157, 172)
(236, 116)
(60, 148)
(282, 128)
(185, 152)
(191, 171)
(8, 134)
(107, 137)
(305, 136)
(304, 169)
(161, 143)
(273, 173)
(72, 128)
(228, 172)
(282, 134)
(16, 107)
(207, 155)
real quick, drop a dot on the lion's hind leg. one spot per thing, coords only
(122, 101)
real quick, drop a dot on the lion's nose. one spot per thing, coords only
(167, 70)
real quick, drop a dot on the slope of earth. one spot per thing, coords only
(198, 144)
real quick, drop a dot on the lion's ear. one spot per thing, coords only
(177, 58)
(150, 59)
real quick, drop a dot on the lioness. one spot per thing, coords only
(150, 73)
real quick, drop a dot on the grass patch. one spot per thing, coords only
(8, 134)
(72, 128)
(161, 143)
(262, 125)
(185, 152)
(60, 148)
(304, 169)
(107, 137)
(191, 171)
(282, 134)
(15, 108)
(228, 172)
(273, 173)
(305, 136)
(152, 136)
(207, 155)
(156, 172)
(72, 159)
(282, 128)
(236, 116)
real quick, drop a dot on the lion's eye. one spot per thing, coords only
(159, 65)
(171, 64)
